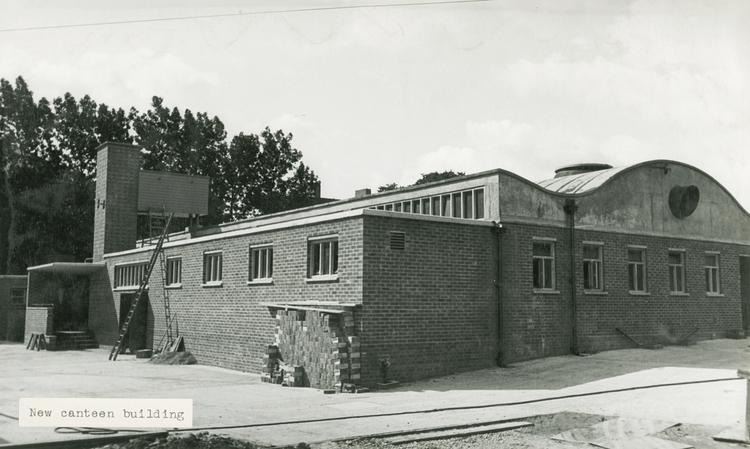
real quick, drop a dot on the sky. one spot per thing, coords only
(382, 94)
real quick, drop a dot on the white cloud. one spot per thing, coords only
(120, 78)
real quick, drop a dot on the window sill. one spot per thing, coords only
(638, 293)
(212, 284)
(173, 286)
(595, 292)
(262, 281)
(127, 289)
(322, 278)
(539, 291)
(714, 295)
(679, 294)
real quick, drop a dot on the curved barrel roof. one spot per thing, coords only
(580, 182)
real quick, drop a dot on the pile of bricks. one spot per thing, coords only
(276, 372)
(322, 344)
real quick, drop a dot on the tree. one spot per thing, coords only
(424, 179)
(266, 175)
(48, 162)
(189, 144)
(27, 159)
(388, 187)
(81, 126)
(438, 176)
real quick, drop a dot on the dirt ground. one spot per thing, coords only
(535, 437)
(230, 398)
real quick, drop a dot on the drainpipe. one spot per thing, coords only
(570, 209)
(500, 360)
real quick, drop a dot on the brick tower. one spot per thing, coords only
(116, 204)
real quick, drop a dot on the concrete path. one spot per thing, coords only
(225, 398)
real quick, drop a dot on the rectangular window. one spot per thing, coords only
(212, 269)
(261, 263)
(130, 275)
(543, 254)
(445, 205)
(406, 207)
(676, 266)
(435, 205)
(174, 272)
(637, 269)
(479, 203)
(711, 266)
(456, 205)
(415, 207)
(18, 296)
(426, 206)
(389, 207)
(592, 268)
(323, 257)
(468, 204)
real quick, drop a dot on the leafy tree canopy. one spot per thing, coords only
(424, 179)
(48, 163)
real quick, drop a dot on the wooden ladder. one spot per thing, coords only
(139, 293)
(167, 308)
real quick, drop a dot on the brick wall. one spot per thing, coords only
(535, 324)
(12, 316)
(539, 324)
(430, 308)
(658, 317)
(227, 326)
(117, 186)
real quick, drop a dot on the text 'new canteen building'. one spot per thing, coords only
(432, 279)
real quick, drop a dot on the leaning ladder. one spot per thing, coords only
(165, 295)
(139, 293)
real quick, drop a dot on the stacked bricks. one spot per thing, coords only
(319, 345)
(270, 363)
(347, 365)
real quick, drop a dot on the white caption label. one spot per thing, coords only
(101, 412)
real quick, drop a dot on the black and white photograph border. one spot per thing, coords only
(335, 224)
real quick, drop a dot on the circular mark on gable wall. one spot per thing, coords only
(683, 200)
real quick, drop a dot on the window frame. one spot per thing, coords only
(466, 203)
(598, 264)
(544, 288)
(260, 249)
(127, 271)
(169, 273)
(332, 256)
(711, 289)
(674, 268)
(214, 269)
(633, 283)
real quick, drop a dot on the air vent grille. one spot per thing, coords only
(398, 240)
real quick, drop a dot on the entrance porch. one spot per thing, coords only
(58, 304)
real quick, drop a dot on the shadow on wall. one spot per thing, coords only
(102, 308)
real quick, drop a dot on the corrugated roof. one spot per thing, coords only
(581, 182)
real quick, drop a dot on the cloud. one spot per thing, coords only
(123, 78)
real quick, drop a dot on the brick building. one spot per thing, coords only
(438, 278)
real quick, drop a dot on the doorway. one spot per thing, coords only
(135, 338)
(745, 291)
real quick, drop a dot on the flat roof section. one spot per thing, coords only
(69, 267)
